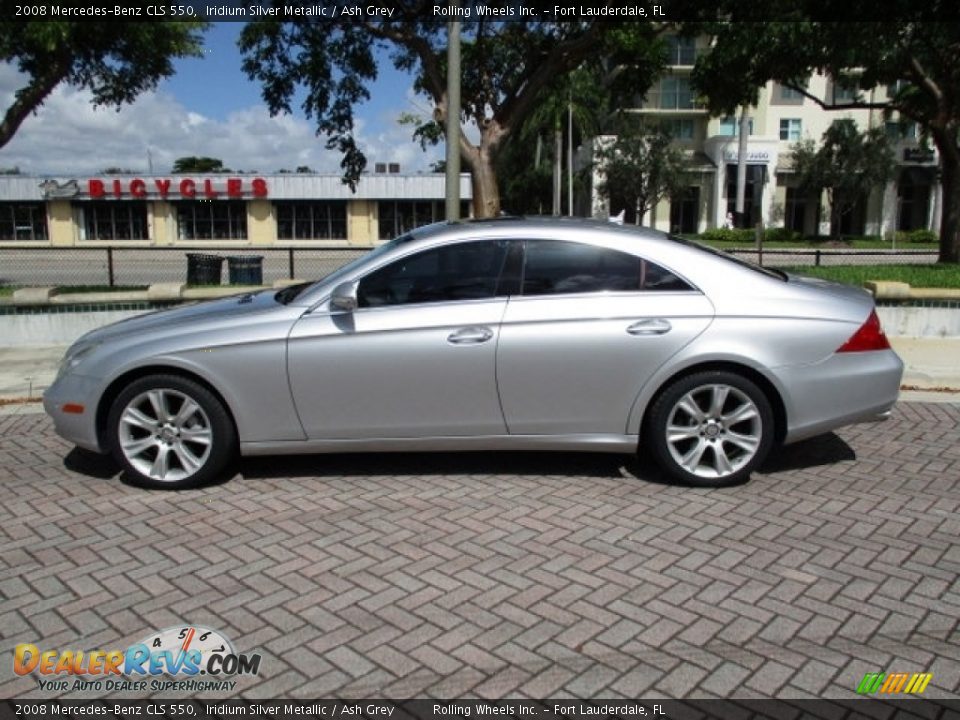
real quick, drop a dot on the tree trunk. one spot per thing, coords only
(557, 166)
(950, 223)
(486, 193)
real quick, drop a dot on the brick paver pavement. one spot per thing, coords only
(544, 575)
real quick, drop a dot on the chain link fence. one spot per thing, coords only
(129, 266)
(786, 257)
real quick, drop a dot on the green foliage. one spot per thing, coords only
(848, 164)
(782, 235)
(115, 61)
(506, 70)
(193, 164)
(728, 235)
(916, 237)
(639, 169)
(908, 50)
(919, 276)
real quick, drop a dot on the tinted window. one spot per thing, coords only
(465, 271)
(553, 267)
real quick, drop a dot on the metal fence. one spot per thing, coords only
(126, 266)
(786, 257)
(141, 266)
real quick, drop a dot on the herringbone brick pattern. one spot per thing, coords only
(543, 575)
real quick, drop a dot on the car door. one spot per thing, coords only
(416, 358)
(590, 326)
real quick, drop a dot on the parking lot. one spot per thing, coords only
(539, 575)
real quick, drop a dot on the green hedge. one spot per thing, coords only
(918, 236)
(730, 235)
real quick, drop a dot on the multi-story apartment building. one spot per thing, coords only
(781, 117)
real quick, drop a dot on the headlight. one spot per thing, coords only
(74, 356)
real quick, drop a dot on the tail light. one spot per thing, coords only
(869, 337)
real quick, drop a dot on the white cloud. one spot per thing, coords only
(68, 136)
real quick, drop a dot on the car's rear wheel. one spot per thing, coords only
(710, 429)
(170, 432)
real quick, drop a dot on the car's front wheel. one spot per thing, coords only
(170, 432)
(710, 429)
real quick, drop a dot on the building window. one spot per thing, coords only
(730, 126)
(894, 88)
(399, 216)
(23, 221)
(783, 95)
(211, 220)
(897, 130)
(844, 90)
(675, 94)
(681, 50)
(311, 220)
(114, 220)
(678, 128)
(790, 129)
(795, 210)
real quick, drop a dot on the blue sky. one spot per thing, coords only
(209, 107)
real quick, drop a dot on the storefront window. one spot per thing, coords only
(23, 221)
(400, 216)
(114, 220)
(311, 220)
(211, 220)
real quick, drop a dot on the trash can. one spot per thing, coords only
(203, 269)
(245, 269)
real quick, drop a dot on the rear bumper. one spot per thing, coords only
(845, 388)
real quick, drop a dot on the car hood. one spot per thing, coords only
(186, 318)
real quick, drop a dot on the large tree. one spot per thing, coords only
(848, 163)
(917, 59)
(115, 61)
(194, 164)
(506, 68)
(638, 169)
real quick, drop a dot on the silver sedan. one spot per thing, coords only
(533, 334)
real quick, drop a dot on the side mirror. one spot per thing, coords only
(344, 297)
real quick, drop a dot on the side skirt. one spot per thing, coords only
(568, 443)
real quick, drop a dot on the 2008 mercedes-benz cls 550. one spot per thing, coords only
(525, 333)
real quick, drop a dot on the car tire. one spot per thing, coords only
(169, 432)
(710, 429)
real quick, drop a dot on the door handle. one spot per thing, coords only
(655, 326)
(470, 336)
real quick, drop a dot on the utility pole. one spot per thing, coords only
(741, 221)
(570, 153)
(453, 115)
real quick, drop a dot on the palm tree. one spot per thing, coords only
(581, 99)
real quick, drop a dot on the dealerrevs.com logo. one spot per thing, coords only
(172, 659)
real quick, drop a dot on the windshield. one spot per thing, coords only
(288, 295)
(769, 272)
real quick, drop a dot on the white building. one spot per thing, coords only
(782, 116)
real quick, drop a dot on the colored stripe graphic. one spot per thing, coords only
(870, 683)
(894, 683)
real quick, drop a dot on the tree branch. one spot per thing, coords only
(925, 80)
(564, 56)
(29, 99)
(431, 71)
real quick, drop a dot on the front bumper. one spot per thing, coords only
(78, 428)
